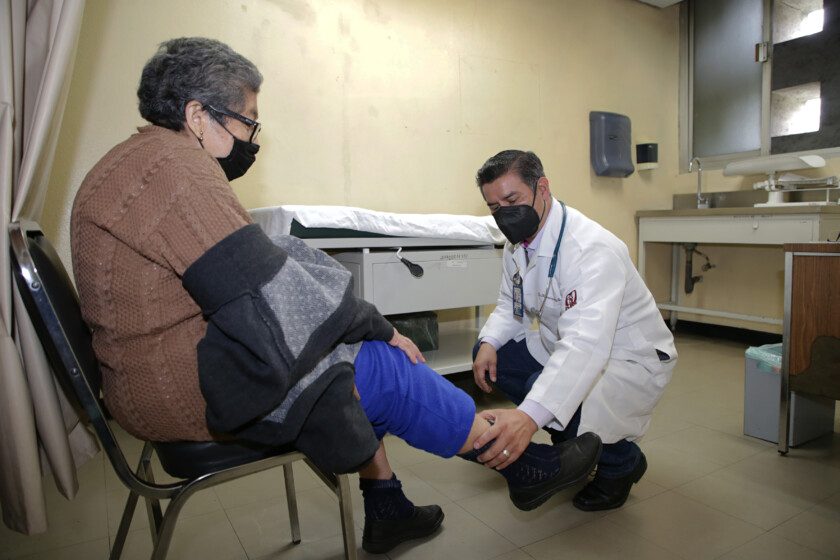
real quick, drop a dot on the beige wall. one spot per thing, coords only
(393, 104)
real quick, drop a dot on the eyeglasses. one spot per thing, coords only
(255, 126)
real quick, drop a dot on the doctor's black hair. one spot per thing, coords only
(197, 68)
(525, 164)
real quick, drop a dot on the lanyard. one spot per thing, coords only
(518, 296)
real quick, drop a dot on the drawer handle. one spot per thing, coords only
(415, 269)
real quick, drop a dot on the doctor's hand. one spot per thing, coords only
(512, 429)
(407, 345)
(485, 364)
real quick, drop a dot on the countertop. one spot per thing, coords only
(739, 211)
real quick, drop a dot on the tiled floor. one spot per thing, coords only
(710, 492)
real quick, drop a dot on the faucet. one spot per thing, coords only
(702, 202)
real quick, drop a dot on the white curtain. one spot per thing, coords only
(37, 49)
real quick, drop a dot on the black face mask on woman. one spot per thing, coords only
(518, 222)
(242, 155)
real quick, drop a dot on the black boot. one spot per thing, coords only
(543, 470)
(609, 493)
(391, 518)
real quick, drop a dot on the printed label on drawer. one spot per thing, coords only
(453, 257)
(456, 264)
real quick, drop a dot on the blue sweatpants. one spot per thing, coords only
(412, 401)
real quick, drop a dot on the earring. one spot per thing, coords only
(201, 136)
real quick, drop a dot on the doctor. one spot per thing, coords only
(602, 355)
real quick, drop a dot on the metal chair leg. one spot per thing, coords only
(143, 471)
(291, 501)
(153, 510)
(125, 522)
(167, 526)
(340, 484)
(345, 506)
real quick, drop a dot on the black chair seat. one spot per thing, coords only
(191, 459)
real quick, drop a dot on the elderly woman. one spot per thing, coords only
(207, 329)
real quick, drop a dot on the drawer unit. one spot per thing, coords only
(749, 229)
(452, 278)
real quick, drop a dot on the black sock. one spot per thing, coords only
(384, 499)
(556, 435)
(537, 463)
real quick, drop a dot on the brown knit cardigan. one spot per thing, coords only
(147, 210)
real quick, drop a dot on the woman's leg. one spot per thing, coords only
(412, 402)
(390, 517)
(479, 426)
(379, 468)
(416, 404)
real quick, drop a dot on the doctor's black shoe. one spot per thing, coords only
(575, 460)
(609, 493)
(381, 535)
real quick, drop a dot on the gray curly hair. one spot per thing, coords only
(194, 68)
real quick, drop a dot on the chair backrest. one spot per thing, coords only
(53, 307)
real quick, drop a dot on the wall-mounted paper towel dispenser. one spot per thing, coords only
(609, 144)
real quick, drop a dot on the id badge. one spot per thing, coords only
(518, 306)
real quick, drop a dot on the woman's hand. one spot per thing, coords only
(407, 345)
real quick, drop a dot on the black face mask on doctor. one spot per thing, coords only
(520, 221)
(242, 155)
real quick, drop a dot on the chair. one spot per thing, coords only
(53, 306)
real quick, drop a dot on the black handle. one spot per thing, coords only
(415, 269)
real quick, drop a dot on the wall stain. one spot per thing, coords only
(374, 11)
(302, 46)
(343, 25)
(298, 9)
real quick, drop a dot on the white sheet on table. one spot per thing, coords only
(278, 219)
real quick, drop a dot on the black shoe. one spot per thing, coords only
(382, 535)
(609, 493)
(578, 457)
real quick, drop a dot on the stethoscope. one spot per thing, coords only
(518, 307)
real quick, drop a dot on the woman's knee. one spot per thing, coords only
(425, 409)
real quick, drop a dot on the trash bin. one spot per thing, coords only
(810, 416)
(420, 327)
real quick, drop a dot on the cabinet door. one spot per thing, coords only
(814, 308)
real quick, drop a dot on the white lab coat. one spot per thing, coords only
(599, 330)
